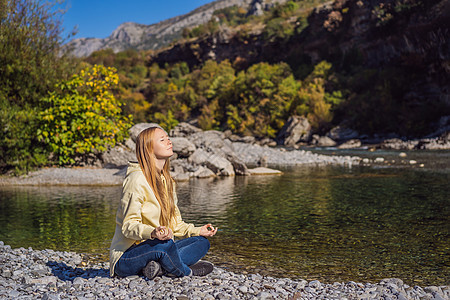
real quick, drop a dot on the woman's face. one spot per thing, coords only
(162, 146)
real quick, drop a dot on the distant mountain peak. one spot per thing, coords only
(145, 37)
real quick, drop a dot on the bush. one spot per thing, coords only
(83, 116)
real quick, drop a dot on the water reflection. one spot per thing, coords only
(66, 218)
(332, 224)
(205, 200)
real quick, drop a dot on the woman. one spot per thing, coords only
(148, 218)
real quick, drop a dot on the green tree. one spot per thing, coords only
(263, 95)
(31, 62)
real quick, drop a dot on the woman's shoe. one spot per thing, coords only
(152, 269)
(201, 268)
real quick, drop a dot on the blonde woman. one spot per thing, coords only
(148, 218)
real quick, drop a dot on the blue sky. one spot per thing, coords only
(99, 18)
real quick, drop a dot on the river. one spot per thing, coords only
(363, 223)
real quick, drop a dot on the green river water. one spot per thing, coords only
(327, 223)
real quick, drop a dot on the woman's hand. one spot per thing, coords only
(162, 233)
(207, 230)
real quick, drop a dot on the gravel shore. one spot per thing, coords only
(67, 176)
(253, 154)
(48, 274)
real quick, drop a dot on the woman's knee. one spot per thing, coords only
(169, 246)
(204, 242)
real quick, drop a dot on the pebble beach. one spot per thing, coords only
(46, 274)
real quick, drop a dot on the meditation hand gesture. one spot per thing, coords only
(207, 230)
(162, 233)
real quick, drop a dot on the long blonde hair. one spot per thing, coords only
(147, 162)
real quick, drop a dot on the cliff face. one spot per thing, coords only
(382, 31)
(155, 36)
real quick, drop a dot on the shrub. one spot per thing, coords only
(83, 116)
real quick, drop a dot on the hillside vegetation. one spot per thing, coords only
(375, 66)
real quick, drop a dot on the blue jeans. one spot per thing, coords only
(174, 257)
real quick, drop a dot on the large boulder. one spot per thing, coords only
(136, 129)
(215, 142)
(211, 139)
(297, 129)
(322, 141)
(182, 146)
(184, 129)
(216, 163)
(340, 133)
(118, 156)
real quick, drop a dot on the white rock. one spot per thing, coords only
(264, 171)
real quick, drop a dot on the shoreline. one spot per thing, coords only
(251, 155)
(50, 274)
(247, 153)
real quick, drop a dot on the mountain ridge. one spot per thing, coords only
(150, 37)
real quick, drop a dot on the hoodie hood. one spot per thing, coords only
(133, 166)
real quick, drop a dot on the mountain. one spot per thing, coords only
(146, 37)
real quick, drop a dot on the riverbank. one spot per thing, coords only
(48, 274)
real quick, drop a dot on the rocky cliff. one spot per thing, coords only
(145, 37)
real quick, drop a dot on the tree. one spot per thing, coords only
(31, 62)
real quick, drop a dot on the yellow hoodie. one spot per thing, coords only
(138, 215)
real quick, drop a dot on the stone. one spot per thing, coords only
(297, 129)
(247, 139)
(214, 162)
(398, 144)
(136, 129)
(240, 168)
(340, 133)
(301, 284)
(264, 171)
(354, 143)
(204, 173)
(264, 296)
(182, 146)
(184, 129)
(14, 294)
(323, 141)
(181, 177)
(315, 284)
(209, 139)
(78, 282)
(46, 280)
(118, 156)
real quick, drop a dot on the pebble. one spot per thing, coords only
(379, 159)
(53, 276)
